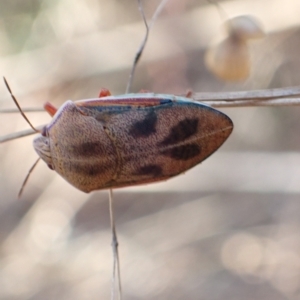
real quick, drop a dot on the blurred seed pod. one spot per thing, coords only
(229, 59)
(244, 28)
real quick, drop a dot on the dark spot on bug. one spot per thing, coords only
(44, 131)
(89, 170)
(88, 149)
(183, 152)
(151, 170)
(180, 132)
(145, 127)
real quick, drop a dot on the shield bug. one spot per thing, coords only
(119, 141)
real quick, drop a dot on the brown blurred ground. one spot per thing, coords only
(228, 229)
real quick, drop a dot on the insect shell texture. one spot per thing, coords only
(129, 140)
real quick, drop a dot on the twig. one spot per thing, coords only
(289, 96)
(14, 110)
(141, 49)
(19, 134)
(272, 97)
(114, 244)
(246, 95)
(144, 42)
(116, 261)
(253, 103)
(221, 11)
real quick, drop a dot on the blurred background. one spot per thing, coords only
(227, 229)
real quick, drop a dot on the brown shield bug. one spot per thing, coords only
(131, 139)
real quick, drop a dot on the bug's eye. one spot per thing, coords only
(50, 167)
(44, 131)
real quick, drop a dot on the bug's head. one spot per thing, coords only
(41, 145)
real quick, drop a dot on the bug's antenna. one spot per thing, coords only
(27, 177)
(17, 104)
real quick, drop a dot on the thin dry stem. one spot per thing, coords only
(114, 244)
(247, 95)
(253, 103)
(29, 109)
(271, 97)
(144, 42)
(116, 261)
(19, 134)
(221, 11)
(140, 50)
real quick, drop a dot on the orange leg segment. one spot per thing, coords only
(104, 93)
(189, 94)
(50, 109)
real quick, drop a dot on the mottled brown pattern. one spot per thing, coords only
(181, 131)
(145, 127)
(88, 149)
(183, 152)
(154, 170)
(89, 170)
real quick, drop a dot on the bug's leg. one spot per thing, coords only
(104, 92)
(50, 109)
